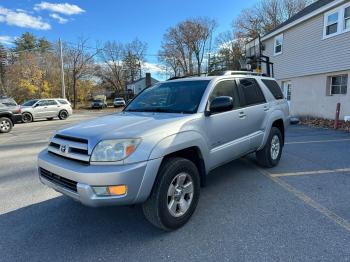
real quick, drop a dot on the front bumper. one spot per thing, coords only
(138, 178)
(17, 118)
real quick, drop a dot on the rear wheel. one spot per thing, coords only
(63, 115)
(5, 125)
(270, 155)
(27, 117)
(175, 194)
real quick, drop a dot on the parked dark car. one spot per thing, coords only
(98, 103)
(12, 105)
(7, 119)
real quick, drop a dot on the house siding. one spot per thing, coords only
(305, 52)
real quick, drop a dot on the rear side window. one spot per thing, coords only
(63, 102)
(51, 102)
(251, 92)
(274, 88)
(226, 88)
(8, 102)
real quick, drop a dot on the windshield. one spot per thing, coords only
(170, 97)
(97, 101)
(119, 99)
(30, 102)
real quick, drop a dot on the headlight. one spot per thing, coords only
(114, 150)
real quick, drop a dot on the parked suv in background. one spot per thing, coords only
(7, 119)
(160, 148)
(12, 105)
(119, 101)
(98, 103)
(46, 109)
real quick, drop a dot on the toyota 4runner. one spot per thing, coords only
(160, 148)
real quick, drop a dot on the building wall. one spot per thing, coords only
(138, 86)
(309, 96)
(305, 52)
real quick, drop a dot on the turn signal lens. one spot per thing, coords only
(117, 190)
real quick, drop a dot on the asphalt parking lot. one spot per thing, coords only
(298, 211)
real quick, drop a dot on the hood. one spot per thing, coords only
(127, 125)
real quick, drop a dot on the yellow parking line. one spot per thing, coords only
(307, 200)
(317, 141)
(312, 172)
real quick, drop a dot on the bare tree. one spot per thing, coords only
(133, 59)
(111, 69)
(79, 64)
(183, 46)
(265, 16)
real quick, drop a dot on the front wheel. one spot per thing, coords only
(270, 155)
(27, 117)
(174, 196)
(5, 125)
(63, 115)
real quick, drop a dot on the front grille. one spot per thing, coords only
(61, 181)
(73, 148)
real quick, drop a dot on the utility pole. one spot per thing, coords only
(63, 87)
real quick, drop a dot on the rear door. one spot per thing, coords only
(52, 108)
(254, 109)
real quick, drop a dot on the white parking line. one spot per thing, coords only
(307, 200)
(312, 172)
(317, 141)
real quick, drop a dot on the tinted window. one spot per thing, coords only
(172, 97)
(30, 102)
(63, 102)
(51, 102)
(274, 88)
(226, 88)
(8, 102)
(251, 92)
(42, 103)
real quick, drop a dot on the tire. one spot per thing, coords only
(49, 118)
(63, 115)
(27, 117)
(5, 125)
(270, 155)
(166, 194)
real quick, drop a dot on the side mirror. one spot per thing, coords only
(221, 104)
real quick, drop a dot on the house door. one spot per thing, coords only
(287, 90)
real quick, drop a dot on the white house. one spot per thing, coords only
(140, 84)
(310, 53)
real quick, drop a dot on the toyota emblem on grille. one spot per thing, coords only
(64, 148)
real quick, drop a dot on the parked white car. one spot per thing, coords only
(119, 101)
(46, 108)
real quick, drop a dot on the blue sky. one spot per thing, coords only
(110, 19)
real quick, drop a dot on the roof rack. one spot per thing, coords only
(230, 72)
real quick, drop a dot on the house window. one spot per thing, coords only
(347, 18)
(278, 44)
(332, 23)
(338, 84)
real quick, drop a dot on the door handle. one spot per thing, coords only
(266, 108)
(45, 106)
(242, 115)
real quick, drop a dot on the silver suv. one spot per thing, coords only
(45, 109)
(160, 148)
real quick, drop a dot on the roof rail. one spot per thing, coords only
(230, 72)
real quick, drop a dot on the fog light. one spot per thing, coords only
(117, 190)
(110, 190)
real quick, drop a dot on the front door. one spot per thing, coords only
(226, 130)
(287, 90)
